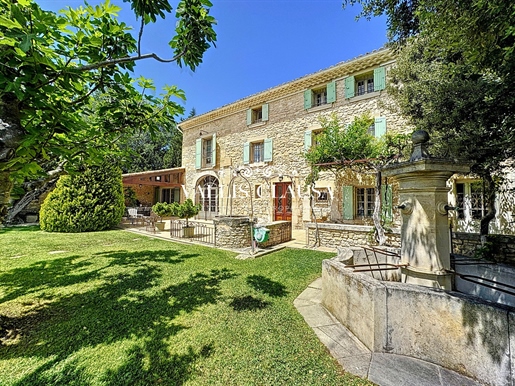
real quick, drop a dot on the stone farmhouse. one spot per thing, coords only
(246, 158)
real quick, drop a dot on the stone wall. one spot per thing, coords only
(232, 232)
(500, 248)
(456, 331)
(288, 121)
(345, 235)
(144, 194)
(280, 232)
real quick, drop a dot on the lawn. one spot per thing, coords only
(117, 308)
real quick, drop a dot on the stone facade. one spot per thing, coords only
(252, 192)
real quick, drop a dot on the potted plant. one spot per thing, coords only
(187, 210)
(162, 209)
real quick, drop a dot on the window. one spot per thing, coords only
(257, 114)
(320, 96)
(365, 83)
(257, 151)
(311, 138)
(205, 152)
(359, 202)
(321, 196)
(170, 195)
(470, 200)
(258, 191)
(378, 128)
(365, 199)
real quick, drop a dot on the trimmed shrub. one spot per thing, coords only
(90, 201)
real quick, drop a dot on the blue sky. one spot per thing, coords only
(260, 44)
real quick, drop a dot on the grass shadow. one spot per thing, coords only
(126, 304)
(267, 286)
(248, 303)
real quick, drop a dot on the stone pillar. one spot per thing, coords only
(425, 239)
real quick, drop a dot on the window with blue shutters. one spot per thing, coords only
(257, 115)
(320, 96)
(257, 151)
(205, 152)
(366, 83)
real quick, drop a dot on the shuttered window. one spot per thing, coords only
(320, 96)
(258, 114)
(205, 152)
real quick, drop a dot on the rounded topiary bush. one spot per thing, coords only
(92, 200)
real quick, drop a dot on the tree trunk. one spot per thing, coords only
(379, 230)
(489, 201)
(11, 134)
(36, 190)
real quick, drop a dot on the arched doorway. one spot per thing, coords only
(206, 194)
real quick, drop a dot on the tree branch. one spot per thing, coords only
(112, 62)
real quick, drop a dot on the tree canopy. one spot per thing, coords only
(454, 78)
(66, 92)
(354, 147)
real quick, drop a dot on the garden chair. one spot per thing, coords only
(133, 215)
(150, 222)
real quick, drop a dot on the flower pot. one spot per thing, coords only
(188, 231)
(160, 226)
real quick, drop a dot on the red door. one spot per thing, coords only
(283, 199)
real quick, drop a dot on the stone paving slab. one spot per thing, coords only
(355, 358)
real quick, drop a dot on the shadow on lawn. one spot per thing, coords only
(124, 305)
(62, 272)
(269, 287)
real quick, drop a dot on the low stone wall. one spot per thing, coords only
(232, 232)
(280, 232)
(337, 235)
(456, 331)
(500, 248)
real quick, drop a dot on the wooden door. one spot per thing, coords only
(282, 201)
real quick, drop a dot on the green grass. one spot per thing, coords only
(117, 308)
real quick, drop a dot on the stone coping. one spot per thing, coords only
(346, 227)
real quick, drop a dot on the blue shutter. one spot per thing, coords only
(331, 92)
(348, 202)
(268, 150)
(246, 153)
(379, 79)
(307, 140)
(380, 127)
(249, 116)
(198, 153)
(308, 102)
(349, 87)
(213, 151)
(264, 110)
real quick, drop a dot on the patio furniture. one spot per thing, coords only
(133, 215)
(150, 222)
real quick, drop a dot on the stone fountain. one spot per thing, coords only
(419, 316)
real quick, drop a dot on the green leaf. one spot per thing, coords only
(26, 43)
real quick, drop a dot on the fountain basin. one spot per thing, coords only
(457, 331)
